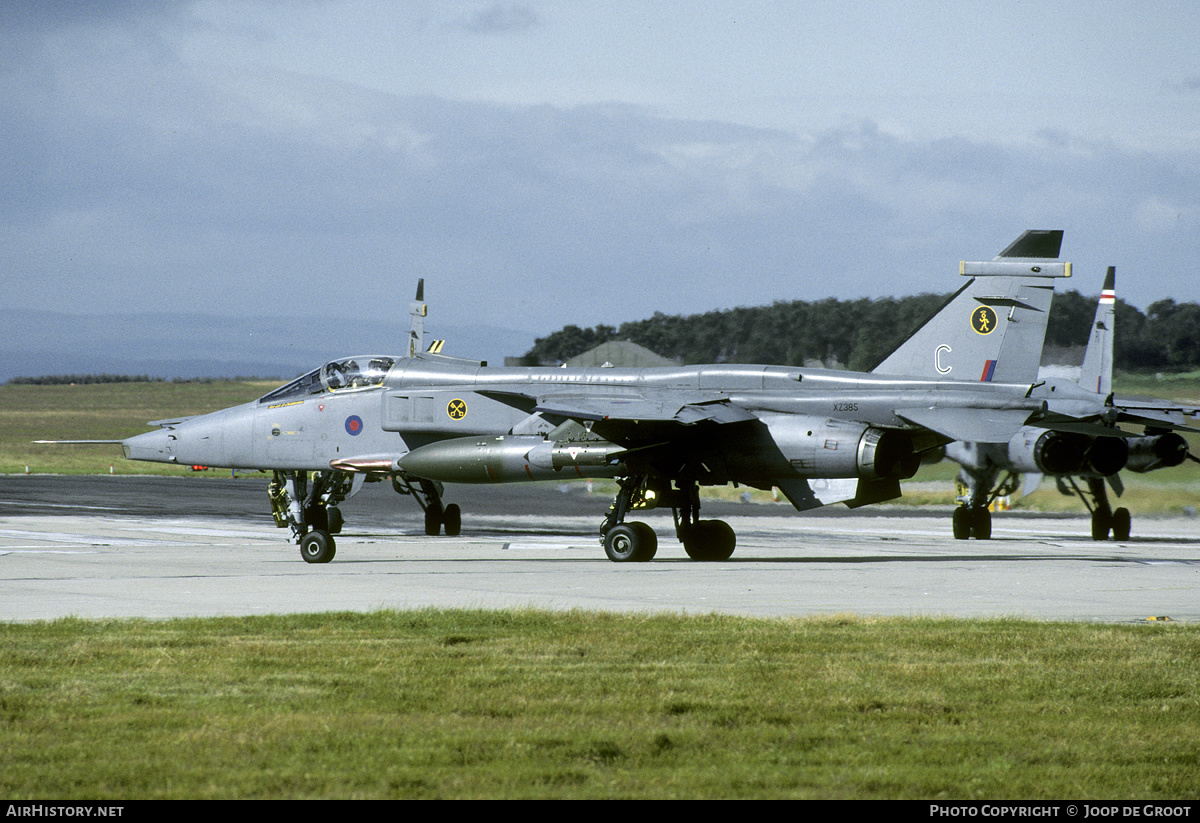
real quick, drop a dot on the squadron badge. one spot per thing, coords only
(983, 320)
(457, 409)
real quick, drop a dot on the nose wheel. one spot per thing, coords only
(308, 505)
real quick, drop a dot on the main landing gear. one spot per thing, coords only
(308, 504)
(1104, 518)
(973, 518)
(972, 521)
(636, 542)
(428, 493)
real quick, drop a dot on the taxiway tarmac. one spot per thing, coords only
(114, 547)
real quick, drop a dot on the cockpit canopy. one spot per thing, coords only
(336, 375)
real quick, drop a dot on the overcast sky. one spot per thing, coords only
(545, 163)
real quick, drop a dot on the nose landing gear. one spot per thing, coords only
(310, 509)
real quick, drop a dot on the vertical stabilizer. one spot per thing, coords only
(418, 310)
(993, 328)
(1096, 374)
(1035, 244)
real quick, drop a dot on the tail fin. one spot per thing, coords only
(1096, 374)
(1034, 244)
(993, 328)
(418, 310)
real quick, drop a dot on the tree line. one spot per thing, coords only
(857, 334)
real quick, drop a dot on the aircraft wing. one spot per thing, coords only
(1157, 415)
(1098, 421)
(978, 425)
(641, 407)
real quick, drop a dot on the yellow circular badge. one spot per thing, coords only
(983, 320)
(457, 409)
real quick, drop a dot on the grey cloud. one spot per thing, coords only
(500, 18)
(49, 15)
(178, 190)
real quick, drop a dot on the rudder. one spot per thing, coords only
(1096, 372)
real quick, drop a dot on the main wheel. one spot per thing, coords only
(1121, 524)
(317, 547)
(647, 541)
(334, 515)
(709, 540)
(981, 523)
(630, 543)
(960, 523)
(1101, 523)
(452, 520)
(433, 520)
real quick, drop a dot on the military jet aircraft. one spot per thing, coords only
(820, 436)
(1095, 460)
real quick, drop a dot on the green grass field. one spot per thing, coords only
(107, 411)
(524, 704)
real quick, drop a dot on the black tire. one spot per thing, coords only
(628, 543)
(452, 520)
(1101, 523)
(960, 523)
(334, 515)
(1122, 522)
(317, 547)
(433, 521)
(317, 518)
(981, 523)
(647, 541)
(709, 540)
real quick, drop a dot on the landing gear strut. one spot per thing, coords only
(629, 542)
(1104, 518)
(308, 505)
(428, 493)
(637, 542)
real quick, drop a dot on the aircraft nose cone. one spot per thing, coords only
(156, 446)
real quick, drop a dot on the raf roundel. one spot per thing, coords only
(354, 425)
(983, 319)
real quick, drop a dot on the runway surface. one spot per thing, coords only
(112, 547)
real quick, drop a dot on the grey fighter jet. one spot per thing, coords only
(820, 436)
(1074, 457)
